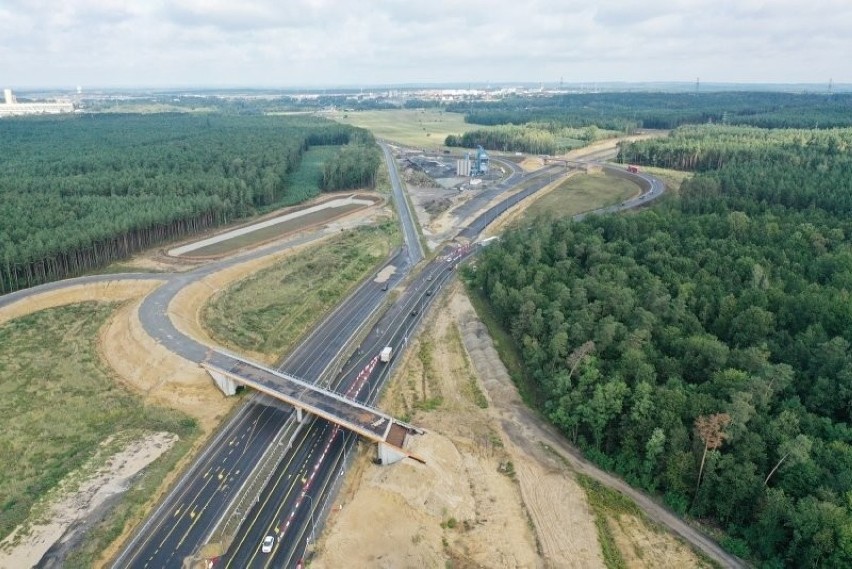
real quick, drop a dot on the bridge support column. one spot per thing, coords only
(299, 415)
(225, 383)
(388, 454)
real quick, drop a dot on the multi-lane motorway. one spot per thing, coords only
(299, 485)
(297, 497)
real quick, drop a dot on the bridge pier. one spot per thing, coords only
(299, 415)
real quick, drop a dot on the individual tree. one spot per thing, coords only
(796, 450)
(711, 431)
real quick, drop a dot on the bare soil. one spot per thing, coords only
(186, 307)
(458, 506)
(146, 367)
(531, 163)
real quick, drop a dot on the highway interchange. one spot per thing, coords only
(296, 494)
(263, 473)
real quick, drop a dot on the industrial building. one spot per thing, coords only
(476, 166)
(11, 107)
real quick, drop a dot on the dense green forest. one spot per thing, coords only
(534, 138)
(79, 192)
(627, 112)
(355, 166)
(701, 349)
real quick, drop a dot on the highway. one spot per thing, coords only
(193, 509)
(301, 501)
(292, 504)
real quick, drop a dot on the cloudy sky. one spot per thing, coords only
(291, 43)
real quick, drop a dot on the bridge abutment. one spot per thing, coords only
(225, 383)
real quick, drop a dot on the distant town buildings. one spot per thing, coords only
(11, 107)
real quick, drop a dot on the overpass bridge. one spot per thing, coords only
(389, 434)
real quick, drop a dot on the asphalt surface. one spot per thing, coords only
(295, 499)
(409, 232)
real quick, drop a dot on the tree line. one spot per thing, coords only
(81, 192)
(703, 349)
(627, 111)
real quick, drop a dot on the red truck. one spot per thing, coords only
(633, 169)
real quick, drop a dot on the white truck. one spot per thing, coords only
(386, 353)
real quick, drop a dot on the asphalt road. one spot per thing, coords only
(409, 232)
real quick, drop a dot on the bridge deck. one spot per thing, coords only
(366, 421)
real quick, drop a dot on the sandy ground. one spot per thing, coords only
(112, 291)
(436, 228)
(69, 505)
(185, 309)
(398, 516)
(162, 377)
(610, 144)
(140, 363)
(531, 163)
(458, 506)
(159, 260)
(562, 517)
(145, 367)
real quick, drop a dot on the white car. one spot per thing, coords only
(268, 542)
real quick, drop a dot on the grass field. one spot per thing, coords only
(307, 177)
(418, 128)
(579, 193)
(271, 309)
(58, 402)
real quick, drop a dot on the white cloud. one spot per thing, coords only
(290, 42)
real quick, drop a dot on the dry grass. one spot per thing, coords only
(579, 193)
